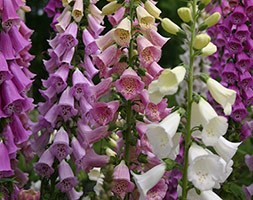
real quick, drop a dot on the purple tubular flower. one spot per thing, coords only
(243, 62)
(249, 161)
(73, 194)
(239, 112)
(229, 74)
(66, 107)
(9, 15)
(246, 80)
(89, 42)
(238, 16)
(60, 148)
(44, 166)
(234, 46)
(242, 32)
(5, 46)
(9, 141)
(245, 133)
(67, 178)
(248, 191)
(158, 192)
(5, 165)
(78, 153)
(225, 27)
(249, 8)
(4, 71)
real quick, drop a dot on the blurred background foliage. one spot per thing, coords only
(40, 23)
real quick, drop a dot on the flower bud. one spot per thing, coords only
(66, 2)
(185, 14)
(110, 152)
(170, 26)
(201, 41)
(208, 49)
(212, 19)
(205, 2)
(112, 143)
(110, 8)
(152, 9)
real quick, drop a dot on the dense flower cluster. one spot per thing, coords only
(15, 81)
(232, 63)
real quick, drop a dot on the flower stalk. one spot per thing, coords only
(187, 135)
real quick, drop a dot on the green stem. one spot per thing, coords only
(187, 137)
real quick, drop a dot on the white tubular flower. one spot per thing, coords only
(96, 175)
(122, 34)
(149, 179)
(152, 9)
(162, 137)
(225, 148)
(77, 12)
(166, 84)
(214, 126)
(146, 20)
(206, 170)
(225, 97)
(208, 49)
(204, 195)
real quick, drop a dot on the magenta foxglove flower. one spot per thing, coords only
(158, 192)
(78, 152)
(44, 166)
(249, 161)
(60, 148)
(5, 164)
(148, 52)
(73, 194)
(121, 180)
(248, 191)
(67, 178)
(129, 84)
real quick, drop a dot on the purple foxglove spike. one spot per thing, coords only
(103, 113)
(92, 159)
(5, 165)
(25, 31)
(44, 166)
(51, 7)
(63, 20)
(60, 147)
(245, 133)
(12, 101)
(18, 42)
(104, 60)
(242, 32)
(229, 73)
(238, 16)
(51, 116)
(94, 26)
(89, 42)
(58, 79)
(85, 107)
(160, 188)
(95, 135)
(67, 56)
(4, 71)
(80, 84)
(249, 162)
(103, 87)
(129, 84)
(67, 178)
(156, 39)
(154, 69)
(121, 180)
(234, 46)
(90, 70)
(118, 68)
(22, 82)
(74, 195)
(9, 15)
(49, 94)
(9, 140)
(19, 132)
(247, 95)
(78, 153)
(225, 27)
(239, 112)
(220, 40)
(147, 51)
(40, 142)
(6, 47)
(117, 16)
(246, 80)
(21, 177)
(249, 8)
(66, 107)
(157, 112)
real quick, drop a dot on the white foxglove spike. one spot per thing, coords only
(149, 179)
(225, 97)
(213, 125)
(163, 137)
(225, 148)
(204, 195)
(206, 170)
